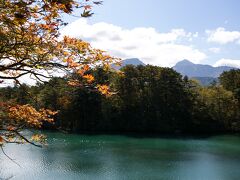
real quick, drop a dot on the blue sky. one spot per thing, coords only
(192, 15)
(162, 32)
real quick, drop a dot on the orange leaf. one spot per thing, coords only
(10, 128)
(1, 140)
(89, 78)
(87, 7)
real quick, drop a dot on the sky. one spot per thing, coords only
(163, 32)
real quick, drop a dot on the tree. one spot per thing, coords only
(30, 44)
(152, 99)
(230, 80)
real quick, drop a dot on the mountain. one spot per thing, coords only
(206, 81)
(185, 67)
(205, 74)
(132, 61)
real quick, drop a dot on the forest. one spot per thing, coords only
(141, 99)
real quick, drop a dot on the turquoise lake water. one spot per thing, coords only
(124, 158)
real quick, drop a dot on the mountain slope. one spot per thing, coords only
(190, 69)
(206, 81)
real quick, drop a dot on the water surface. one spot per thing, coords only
(123, 158)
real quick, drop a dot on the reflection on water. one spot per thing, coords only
(121, 157)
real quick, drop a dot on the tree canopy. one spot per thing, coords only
(231, 81)
(146, 99)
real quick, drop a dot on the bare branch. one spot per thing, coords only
(9, 156)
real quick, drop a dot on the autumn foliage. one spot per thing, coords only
(31, 45)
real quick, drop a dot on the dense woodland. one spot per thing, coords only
(144, 99)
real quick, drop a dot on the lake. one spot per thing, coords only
(113, 157)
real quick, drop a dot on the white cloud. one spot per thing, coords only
(152, 47)
(214, 50)
(195, 35)
(222, 36)
(228, 62)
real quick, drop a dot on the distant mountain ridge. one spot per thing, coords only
(131, 61)
(202, 72)
(187, 68)
(205, 74)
